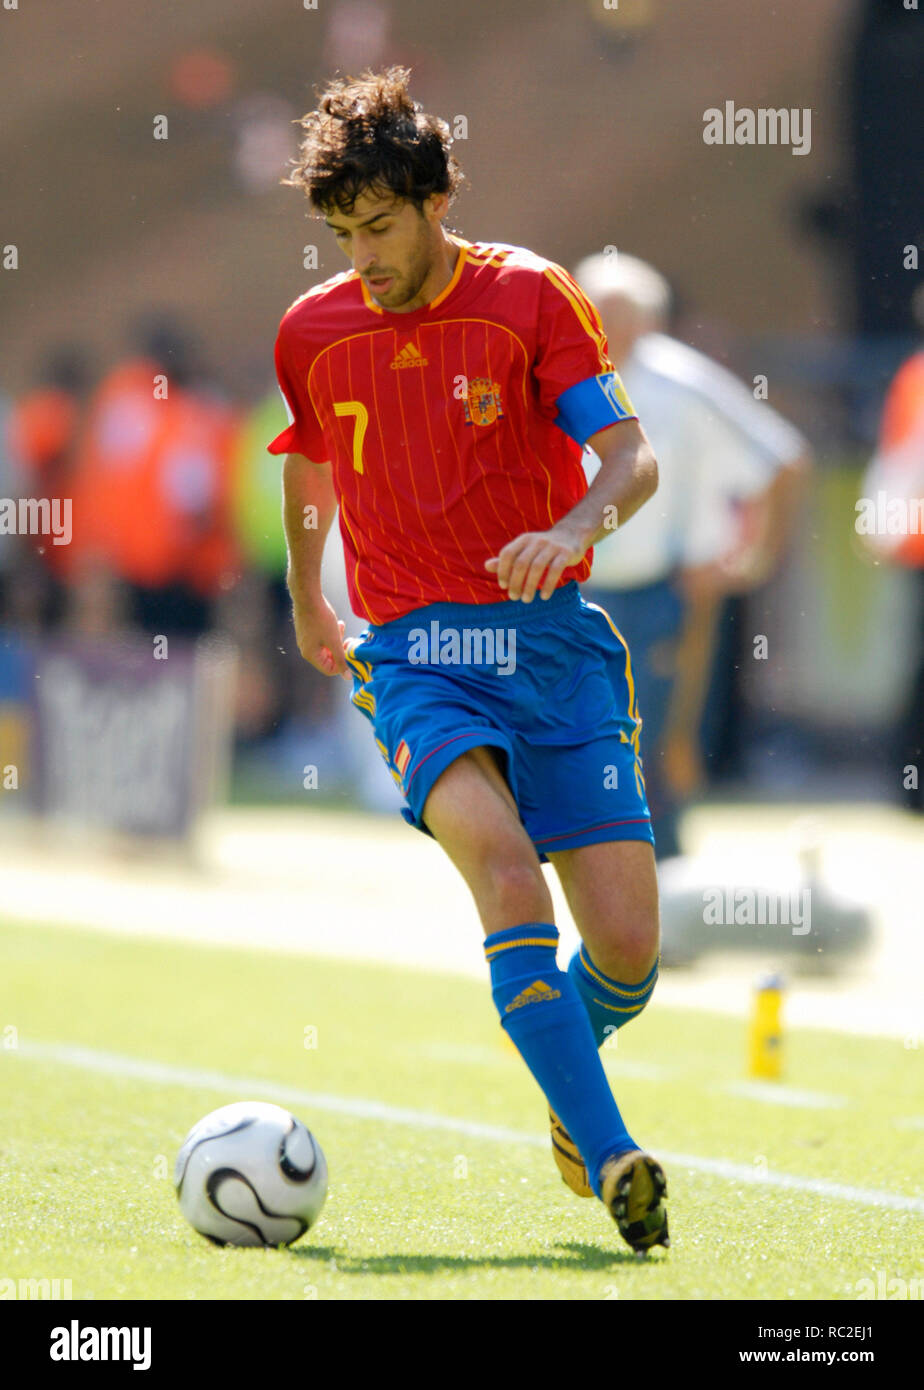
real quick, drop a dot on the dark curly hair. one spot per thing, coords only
(368, 135)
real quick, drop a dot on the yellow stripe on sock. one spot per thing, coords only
(523, 941)
(616, 989)
(615, 1009)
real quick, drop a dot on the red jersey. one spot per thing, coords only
(451, 429)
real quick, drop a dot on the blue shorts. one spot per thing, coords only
(548, 684)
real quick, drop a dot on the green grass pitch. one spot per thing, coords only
(416, 1211)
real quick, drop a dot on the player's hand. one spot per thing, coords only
(319, 634)
(523, 562)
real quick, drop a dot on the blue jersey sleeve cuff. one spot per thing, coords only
(593, 404)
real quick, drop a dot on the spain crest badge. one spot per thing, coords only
(482, 404)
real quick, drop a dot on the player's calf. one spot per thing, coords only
(542, 1013)
(609, 1006)
(612, 890)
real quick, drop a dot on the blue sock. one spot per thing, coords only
(609, 1003)
(544, 1016)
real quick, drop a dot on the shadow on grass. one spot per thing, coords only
(573, 1257)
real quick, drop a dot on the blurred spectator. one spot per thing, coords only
(893, 489)
(717, 525)
(41, 438)
(152, 488)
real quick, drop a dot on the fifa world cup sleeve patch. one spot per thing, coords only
(593, 404)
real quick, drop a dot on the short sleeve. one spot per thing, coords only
(304, 434)
(578, 385)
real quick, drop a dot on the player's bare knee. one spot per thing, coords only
(516, 888)
(627, 951)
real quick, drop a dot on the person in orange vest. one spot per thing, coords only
(41, 435)
(152, 491)
(890, 522)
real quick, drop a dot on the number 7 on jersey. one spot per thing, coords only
(361, 420)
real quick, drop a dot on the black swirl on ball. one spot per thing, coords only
(214, 1181)
(291, 1170)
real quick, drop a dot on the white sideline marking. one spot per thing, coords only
(774, 1094)
(113, 1064)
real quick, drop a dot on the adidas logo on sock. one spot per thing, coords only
(534, 994)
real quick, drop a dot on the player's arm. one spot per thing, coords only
(309, 505)
(628, 477)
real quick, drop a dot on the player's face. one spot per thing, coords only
(392, 246)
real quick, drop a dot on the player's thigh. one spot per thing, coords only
(472, 814)
(612, 891)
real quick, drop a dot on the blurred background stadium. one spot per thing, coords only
(224, 788)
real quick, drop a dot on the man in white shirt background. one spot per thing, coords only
(731, 472)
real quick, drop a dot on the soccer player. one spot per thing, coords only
(441, 391)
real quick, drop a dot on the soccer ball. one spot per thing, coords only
(250, 1174)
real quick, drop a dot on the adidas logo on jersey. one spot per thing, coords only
(534, 994)
(409, 356)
